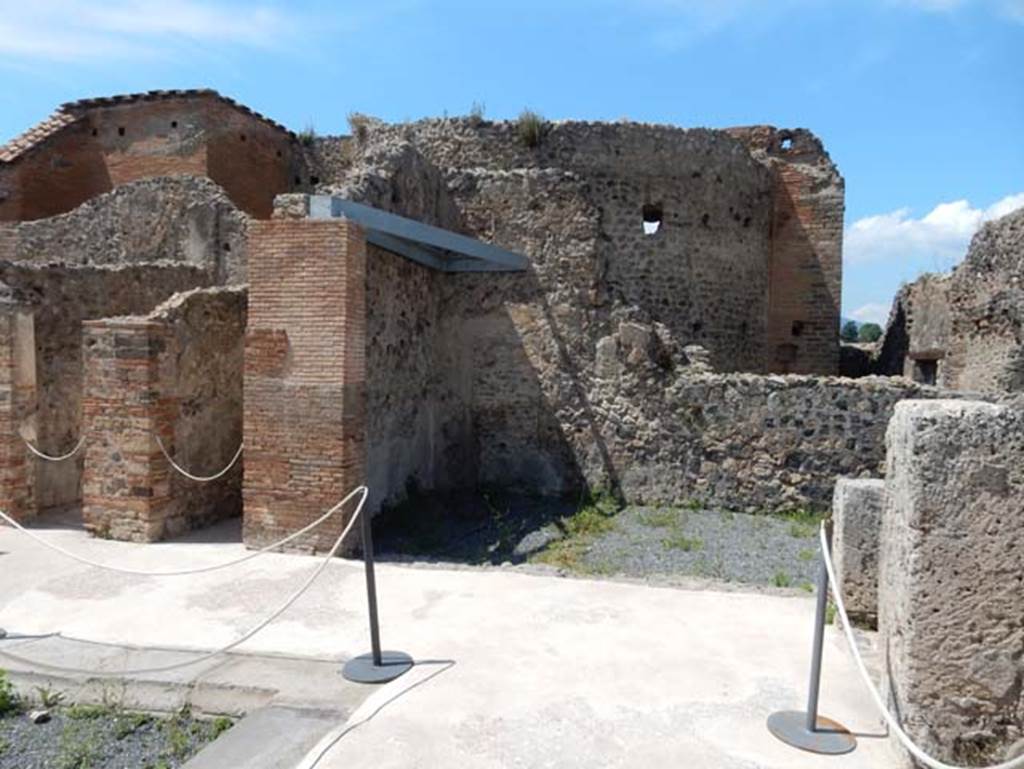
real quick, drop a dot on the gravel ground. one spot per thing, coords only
(734, 547)
(81, 737)
(650, 543)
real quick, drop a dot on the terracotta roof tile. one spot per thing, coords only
(72, 111)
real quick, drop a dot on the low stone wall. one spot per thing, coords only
(741, 441)
(857, 515)
(176, 374)
(952, 556)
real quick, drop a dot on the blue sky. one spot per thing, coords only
(920, 102)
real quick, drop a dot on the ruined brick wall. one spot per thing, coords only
(178, 373)
(806, 250)
(305, 376)
(61, 298)
(115, 141)
(917, 335)
(183, 219)
(986, 296)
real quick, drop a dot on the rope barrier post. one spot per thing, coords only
(377, 667)
(806, 729)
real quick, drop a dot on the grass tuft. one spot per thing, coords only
(530, 127)
(682, 542)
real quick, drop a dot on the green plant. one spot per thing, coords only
(8, 697)
(86, 712)
(307, 136)
(530, 127)
(48, 697)
(830, 613)
(658, 518)
(807, 554)
(129, 723)
(4, 744)
(178, 741)
(807, 587)
(782, 579)
(682, 542)
(78, 750)
(476, 113)
(360, 125)
(220, 725)
(693, 504)
(849, 331)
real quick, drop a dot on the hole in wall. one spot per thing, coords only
(298, 180)
(786, 144)
(120, 130)
(798, 328)
(314, 180)
(174, 124)
(705, 219)
(95, 132)
(227, 247)
(279, 153)
(242, 137)
(651, 215)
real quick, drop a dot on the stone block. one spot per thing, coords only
(857, 513)
(950, 571)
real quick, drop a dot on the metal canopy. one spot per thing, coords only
(430, 246)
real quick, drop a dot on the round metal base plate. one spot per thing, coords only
(362, 670)
(830, 738)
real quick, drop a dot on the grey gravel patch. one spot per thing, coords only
(105, 741)
(733, 547)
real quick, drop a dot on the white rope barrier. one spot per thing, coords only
(891, 720)
(198, 478)
(50, 458)
(238, 641)
(183, 572)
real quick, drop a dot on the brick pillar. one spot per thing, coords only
(305, 377)
(17, 410)
(950, 603)
(125, 482)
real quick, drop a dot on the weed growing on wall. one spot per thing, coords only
(530, 127)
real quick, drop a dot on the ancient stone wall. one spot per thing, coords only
(88, 148)
(917, 335)
(185, 219)
(177, 374)
(857, 519)
(950, 599)
(986, 296)
(61, 298)
(17, 409)
(305, 377)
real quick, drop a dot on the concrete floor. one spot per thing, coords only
(516, 670)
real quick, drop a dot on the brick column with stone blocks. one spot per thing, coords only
(951, 603)
(17, 410)
(857, 513)
(126, 482)
(305, 377)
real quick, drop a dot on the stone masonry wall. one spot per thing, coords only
(986, 295)
(61, 298)
(177, 373)
(951, 566)
(305, 377)
(17, 409)
(185, 219)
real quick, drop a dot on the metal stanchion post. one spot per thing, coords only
(378, 666)
(807, 730)
(3, 634)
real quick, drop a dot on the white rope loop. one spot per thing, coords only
(891, 720)
(49, 457)
(198, 478)
(185, 572)
(362, 490)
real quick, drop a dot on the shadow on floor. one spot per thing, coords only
(470, 527)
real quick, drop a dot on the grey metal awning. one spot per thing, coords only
(430, 246)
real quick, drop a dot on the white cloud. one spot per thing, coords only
(938, 240)
(62, 30)
(872, 312)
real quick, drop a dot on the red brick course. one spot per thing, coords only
(305, 377)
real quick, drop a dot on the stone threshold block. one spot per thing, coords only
(951, 603)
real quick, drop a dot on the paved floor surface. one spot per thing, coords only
(515, 669)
